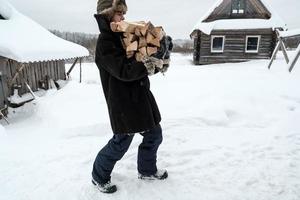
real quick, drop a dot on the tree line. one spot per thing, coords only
(88, 41)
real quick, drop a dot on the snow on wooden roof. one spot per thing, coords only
(24, 40)
(236, 24)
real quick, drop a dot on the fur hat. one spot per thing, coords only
(109, 7)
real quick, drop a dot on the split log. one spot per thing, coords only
(113, 26)
(151, 50)
(149, 38)
(159, 32)
(155, 42)
(139, 56)
(124, 26)
(142, 42)
(147, 28)
(138, 32)
(129, 38)
(152, 40)
(132, 47)
(129, 54)
(143, 51)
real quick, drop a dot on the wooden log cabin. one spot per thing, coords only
(30, 55)
(235, 31)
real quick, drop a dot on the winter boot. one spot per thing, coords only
(106, 187)
(159, 175)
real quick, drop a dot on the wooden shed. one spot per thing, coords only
(30, 55)
(236, 30)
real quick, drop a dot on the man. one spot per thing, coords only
(131, 105)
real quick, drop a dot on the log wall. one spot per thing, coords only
(235, 46)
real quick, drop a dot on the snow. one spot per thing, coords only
(236, 24)
(16, 99)
(231, 131)
(24, 40)
(290, 33)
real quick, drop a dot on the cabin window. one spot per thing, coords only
(238, 7)
(252, 44)
(217, 44)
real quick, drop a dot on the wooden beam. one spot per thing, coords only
(80, 78)
(2, 115)
(284, 51)
(21, 67)
(274, 54)
(73, 65)
(292, 64)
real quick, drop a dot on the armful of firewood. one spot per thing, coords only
(140, 39)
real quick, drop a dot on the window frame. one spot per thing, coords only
(258, 43)
(212, 42)
(240, 10)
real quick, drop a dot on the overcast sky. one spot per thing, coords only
(176, 17)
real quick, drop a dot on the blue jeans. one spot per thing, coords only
(115, 149)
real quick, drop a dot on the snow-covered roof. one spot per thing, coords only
(234, 24)
(24, 40)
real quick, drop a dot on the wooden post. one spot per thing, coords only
(292, 64)
(21, 67)
(80, 70)
(284, 51)
(274, 54)
(30, 90)
(3, 116)
(73, 65)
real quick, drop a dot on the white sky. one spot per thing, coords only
(178, 17)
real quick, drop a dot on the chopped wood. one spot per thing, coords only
(129, 38)
(159, 32)
(124, 26)
(155, 42)
(143, 51)
(138, 56)
(152, 40)
(142, 42)
(138, 32)
(132, 47)
(151, 50)
(147, 28)
(140, 38)
(129, 54)
(140, 22)
(149, 37)
(113, 26)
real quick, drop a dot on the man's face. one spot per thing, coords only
(118, 16)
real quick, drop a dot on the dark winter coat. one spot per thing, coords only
(131, 105)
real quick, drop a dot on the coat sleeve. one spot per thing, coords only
(114, 61)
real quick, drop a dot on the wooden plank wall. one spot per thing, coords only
(235, 44)
(33, 73)
(2, 82)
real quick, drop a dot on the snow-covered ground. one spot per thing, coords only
(231, 132)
